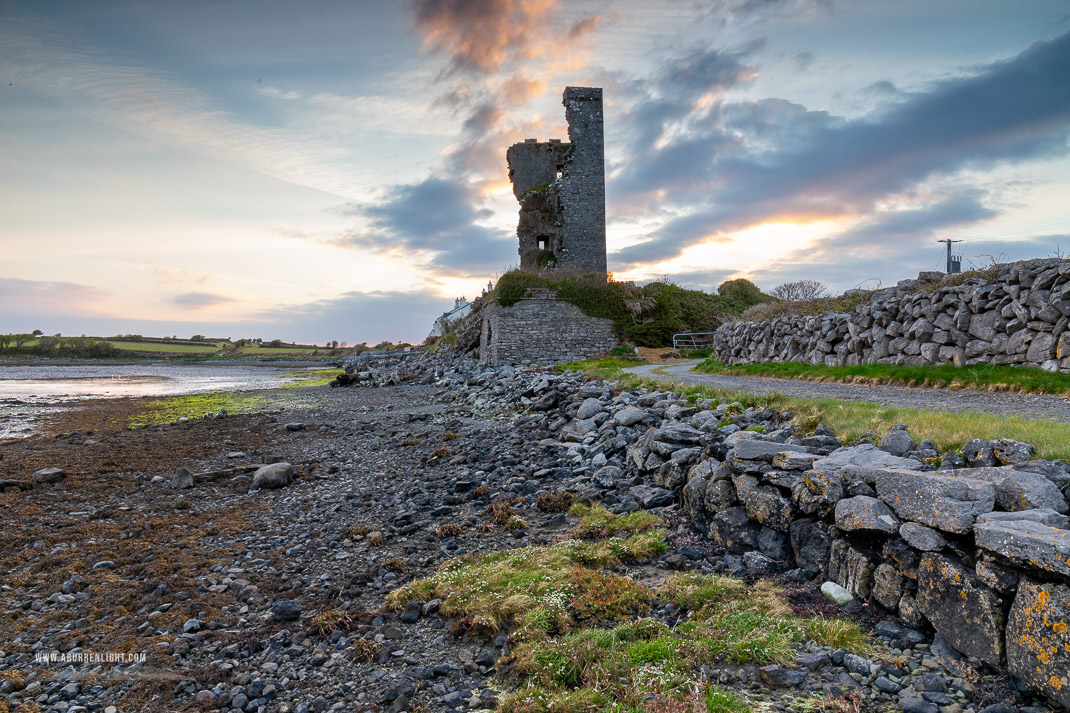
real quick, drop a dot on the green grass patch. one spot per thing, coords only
(543, 589)
(722, 700)
(197, 405)
(639, 665)
(949, 430)
(980, 377)
(597, 521)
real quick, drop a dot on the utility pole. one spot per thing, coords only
(953, 265)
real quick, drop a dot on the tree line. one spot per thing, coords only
(40, 344)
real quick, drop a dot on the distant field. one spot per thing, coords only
(280, 350)
(178, 348)
(164, 347)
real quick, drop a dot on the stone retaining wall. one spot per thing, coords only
(982, 553)
(541, 330)
(1021, 317)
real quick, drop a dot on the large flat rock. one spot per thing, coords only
(865, 514)
(961, 608)
(754, 449)
(945, 502)
(862, 462)
(1027, 543)
(1038, 638)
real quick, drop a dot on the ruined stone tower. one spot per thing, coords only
(561, 188)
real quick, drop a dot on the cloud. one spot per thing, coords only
(482, 35)
(437, 219)
(804, 60)
(199, 300)
(745, 12)
(109, 87)
(584, 27)
(746, 163)
(28, 300)
(360, 317)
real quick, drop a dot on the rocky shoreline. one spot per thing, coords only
(273, 598)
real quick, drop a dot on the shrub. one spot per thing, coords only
(557, 501)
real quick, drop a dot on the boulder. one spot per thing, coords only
(898, 442)
(764, 503)
(810, 542)
(962, 608)
(950, 503)
(678, 433)
(1020, 490)
(993, 572)
(182, 479)
(629, 416)
(1029, 544)
(733, 530)
(922, 538)
(852, 568)
(887, 586)
(775, 545)
(49, 475)
(651, 497)
(1041, 515)
(286, 610)
(1038, 638)
(694, 495)
(276, 475)
(608, 477)
(589, 409)
(794, 460)
(720, 494)
(836, 594)
(863, 513)
(754, 449)
(816, 492)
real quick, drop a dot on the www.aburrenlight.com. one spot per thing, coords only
(54, 657)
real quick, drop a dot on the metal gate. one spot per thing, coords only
(690, 341)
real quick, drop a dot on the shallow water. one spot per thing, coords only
(27, 392)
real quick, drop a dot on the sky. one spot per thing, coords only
(335, 169)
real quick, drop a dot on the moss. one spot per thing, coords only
(197, 405)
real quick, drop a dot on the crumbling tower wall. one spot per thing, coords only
(583, 190)
(562, 192)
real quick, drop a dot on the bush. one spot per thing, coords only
(83, 347)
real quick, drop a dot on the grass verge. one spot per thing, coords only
(981, 377)
(852, 419)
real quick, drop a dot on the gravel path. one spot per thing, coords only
(1036, 406)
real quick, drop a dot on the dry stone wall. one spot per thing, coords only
(541, 330)
(1020, 317)
(977, 548)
